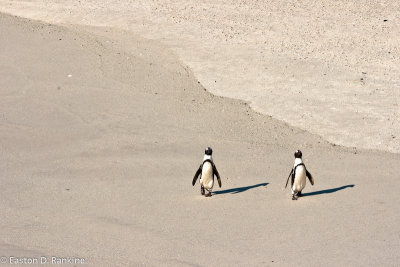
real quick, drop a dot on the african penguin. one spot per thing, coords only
(299, 173)
(206, 171)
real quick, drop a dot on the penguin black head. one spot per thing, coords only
(298, 154)
(208, 151)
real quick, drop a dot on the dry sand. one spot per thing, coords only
(101, 133)
(329, 67)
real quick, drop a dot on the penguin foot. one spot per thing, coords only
(295, 197)
(208, 194)
(202, 191)
(299, 194)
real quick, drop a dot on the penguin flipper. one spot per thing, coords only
(287, 181)
(309, 176)
(198, 172)
(217, 174)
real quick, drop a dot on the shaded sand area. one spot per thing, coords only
(329, 67)
(101, 133)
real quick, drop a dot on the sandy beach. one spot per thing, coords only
(102, 130)
(330, 68)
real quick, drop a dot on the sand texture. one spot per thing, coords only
(328, 67)
(102, 131)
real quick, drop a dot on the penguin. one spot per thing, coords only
(299, 173)
(206, 171)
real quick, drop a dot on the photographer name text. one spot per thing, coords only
(53, 260)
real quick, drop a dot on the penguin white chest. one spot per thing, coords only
(299, 179)
(207, 177)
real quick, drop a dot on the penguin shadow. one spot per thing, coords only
(327, 191)
(238, 189)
